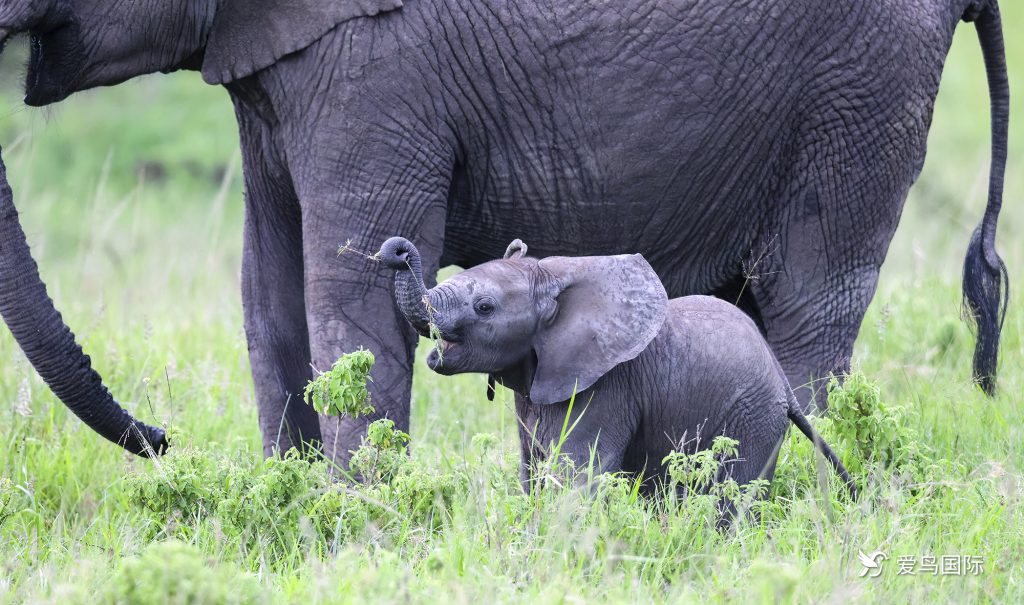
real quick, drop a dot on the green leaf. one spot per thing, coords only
(342, 391)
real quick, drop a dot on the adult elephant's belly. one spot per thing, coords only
(691, 192)
(673, 146)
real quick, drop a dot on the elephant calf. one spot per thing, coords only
(651, 375)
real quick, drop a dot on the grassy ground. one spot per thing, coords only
(131, 199)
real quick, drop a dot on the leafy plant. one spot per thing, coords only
(484, 442)
(188, 484)
(266, 503)
(696, 472)
(871, 437)
(176, 573)
(260, 505)
(283, 505)
(383, 453)
(702, 479)
(872, 431)
(341, 391)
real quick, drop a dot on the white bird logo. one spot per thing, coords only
(872, 563)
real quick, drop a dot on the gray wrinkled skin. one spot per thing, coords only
(650, 375)
(704, 135)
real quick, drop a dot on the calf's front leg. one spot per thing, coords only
(592, 434)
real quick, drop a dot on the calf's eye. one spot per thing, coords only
(484, 306)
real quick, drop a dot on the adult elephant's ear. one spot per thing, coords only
(249, 35)
(598, 312)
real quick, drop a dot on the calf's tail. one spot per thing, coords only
(801, 422)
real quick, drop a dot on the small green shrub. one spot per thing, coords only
(869, 435)
(872, 432)
(342, 389)
(383, 453)
(176, 573)
(416, 493)
(696, 472)
(338, 516)
(484, 442)
(187, 485)
(274, 508)
(260, 505)
(269, 499)
(701, 479)
(617, 505)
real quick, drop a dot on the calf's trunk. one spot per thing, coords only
(411, 293)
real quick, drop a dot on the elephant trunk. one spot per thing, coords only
(50, 345)
(411, 293)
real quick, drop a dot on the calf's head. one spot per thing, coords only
(568, 319)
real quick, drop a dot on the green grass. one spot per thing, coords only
(131, 197)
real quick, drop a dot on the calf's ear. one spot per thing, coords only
(602, 311)
(249, 35)
(517, 249)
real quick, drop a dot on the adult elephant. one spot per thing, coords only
(711, 136)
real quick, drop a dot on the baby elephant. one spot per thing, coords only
(651, 375)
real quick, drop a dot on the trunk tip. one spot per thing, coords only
(146, 441)
(397, 253)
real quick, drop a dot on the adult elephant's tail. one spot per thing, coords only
(985, 283)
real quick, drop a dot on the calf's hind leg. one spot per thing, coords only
(759, 429)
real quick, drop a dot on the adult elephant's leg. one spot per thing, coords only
(272, 298)
(825, 254)
(348, 298)
(812, 314)
(853, 166)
